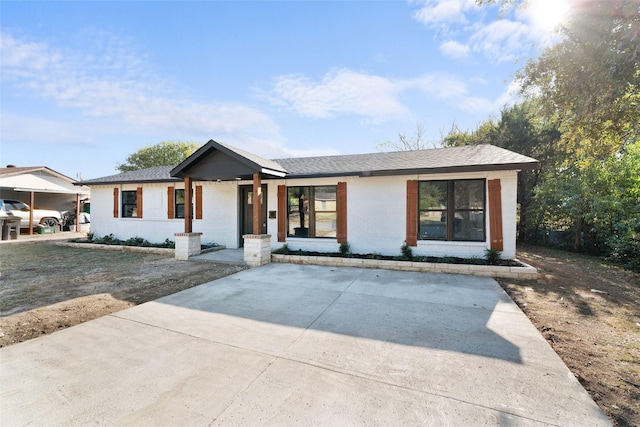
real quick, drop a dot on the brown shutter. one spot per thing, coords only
(116, 199)
(139, 202)
(412, 213)
(341, 206)
(282, 213)
(495, 214)
(198, 201)
(170, 202)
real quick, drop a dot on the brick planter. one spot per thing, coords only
(526, 272)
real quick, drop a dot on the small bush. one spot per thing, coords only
(446, 260)
(375, 255)
(406, 253)
(345, 249)
(90, 236)
(284, 250)
(474, 260)
(136, 241)
(109, 239)
(492, 256)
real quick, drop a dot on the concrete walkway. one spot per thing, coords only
(225, 256)
(301, 345)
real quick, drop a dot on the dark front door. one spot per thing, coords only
(246, 210)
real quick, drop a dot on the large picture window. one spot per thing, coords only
(130, 204)
(452, 210)
(311, 211)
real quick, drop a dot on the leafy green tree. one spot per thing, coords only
(165, 153)
(589, 82)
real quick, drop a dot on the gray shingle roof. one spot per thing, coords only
(455, 159)
(156, 174)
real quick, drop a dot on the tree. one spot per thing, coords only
(165, 153)
(589, 82)
(405, 143)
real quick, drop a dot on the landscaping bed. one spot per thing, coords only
(491, 265)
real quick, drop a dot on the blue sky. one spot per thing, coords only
(84, 84)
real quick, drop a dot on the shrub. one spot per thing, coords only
(345, 249)
(625, 244)
(406, 253)
(284, 250)
(446, 260)
(492, 256)
(109, 239)
(136, 241)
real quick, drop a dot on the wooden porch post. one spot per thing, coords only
(188, 220)
(32, 201)
(257, 205)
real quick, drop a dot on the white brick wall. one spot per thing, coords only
(375, 215)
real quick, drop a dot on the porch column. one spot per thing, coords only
(188, 203)
(32, 201)
(257, 205)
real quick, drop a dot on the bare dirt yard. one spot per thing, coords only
(589, 311)
(45, 288)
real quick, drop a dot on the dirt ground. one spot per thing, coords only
(589, 311)
(45, 288)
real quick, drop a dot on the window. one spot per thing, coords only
(311, 211)
(179, 204)
(130, 204)
(452, 210)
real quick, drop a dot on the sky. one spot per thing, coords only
(85, 84)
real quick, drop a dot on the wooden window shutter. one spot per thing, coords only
(412, 213)
(116, 205)
(198, 201)
(495, 214)
(170, 202)
(282, 213)
(139, 202)
(341, 206)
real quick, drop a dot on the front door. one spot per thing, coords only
(246, 210)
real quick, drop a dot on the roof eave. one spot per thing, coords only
(119, 182)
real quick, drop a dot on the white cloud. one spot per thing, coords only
(373, 97)
(339, 92)
(502, 40)
(499, 37)
(443, 12)
(115, 86)
(454, 50)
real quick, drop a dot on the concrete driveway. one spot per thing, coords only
(301, 345)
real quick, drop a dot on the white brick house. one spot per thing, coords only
(442, 202)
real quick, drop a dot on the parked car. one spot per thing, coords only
(21, 210)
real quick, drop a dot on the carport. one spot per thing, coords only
(289, 344)
(40, 186)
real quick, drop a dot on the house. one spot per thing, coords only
(40, 187)
(456, 201)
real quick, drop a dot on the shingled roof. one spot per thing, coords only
(455, 159)
(155, 174)
(470, 158)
